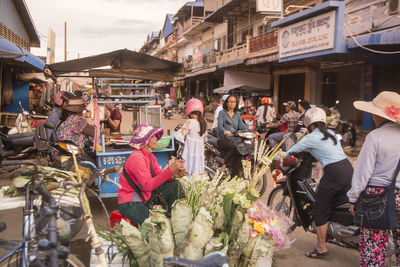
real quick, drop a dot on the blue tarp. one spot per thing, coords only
(378, 38)
(13, 51)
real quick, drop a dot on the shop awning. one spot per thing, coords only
(9, 50)
(199, 72)
(389, 37)
(122, 64)
(249, 81)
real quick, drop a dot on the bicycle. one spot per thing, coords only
(44, 249)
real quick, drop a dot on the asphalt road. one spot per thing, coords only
(294, 256)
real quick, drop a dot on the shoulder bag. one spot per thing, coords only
(378, 211)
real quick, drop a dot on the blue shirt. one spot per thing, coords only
(236, 124)
(54, 117)
(325, 151)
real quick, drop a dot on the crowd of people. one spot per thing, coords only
(144, 183)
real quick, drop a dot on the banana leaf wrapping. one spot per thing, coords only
(257, 248)
(181, 218)
(137, 245)
(161, 239)
(199, 236)
(237, 246)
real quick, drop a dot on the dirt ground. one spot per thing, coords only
(294, 256)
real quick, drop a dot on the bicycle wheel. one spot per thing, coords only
(280, 202)
(71, 261)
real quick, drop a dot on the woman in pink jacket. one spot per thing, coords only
(143, 183)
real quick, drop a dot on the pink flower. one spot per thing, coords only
(377, 251)
(376, 238)
(381, 245)
(393, 112)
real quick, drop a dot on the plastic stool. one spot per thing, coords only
(116, 217)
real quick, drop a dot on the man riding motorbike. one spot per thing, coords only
(336, 181)
(229, 122)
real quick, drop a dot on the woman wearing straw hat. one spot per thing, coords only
(375, 168)
(142, 181)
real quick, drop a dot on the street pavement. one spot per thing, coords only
(294, 256)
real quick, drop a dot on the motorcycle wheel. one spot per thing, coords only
(280, 203)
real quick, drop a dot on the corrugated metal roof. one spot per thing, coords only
(168, 25)
(12, 51)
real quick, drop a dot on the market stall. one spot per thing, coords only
(115, 71)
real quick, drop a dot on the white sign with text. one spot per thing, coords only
(311, 35)
(269, 6)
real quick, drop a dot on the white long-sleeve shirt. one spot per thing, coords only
(377, 160)
(216, 113)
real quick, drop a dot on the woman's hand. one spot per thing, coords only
(178, 168)
(352, 206)
(227, 133)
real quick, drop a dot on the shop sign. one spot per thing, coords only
(269, 6)
(311, 35)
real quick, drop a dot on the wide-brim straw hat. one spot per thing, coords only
(75, 105)
(142, 135)
(385, 105)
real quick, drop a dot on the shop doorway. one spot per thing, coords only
(291, 87)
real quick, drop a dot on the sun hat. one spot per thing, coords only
(142, 135)
(290, 104)
(75, 105)
(385, 105)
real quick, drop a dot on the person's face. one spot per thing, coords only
(378, 120)
(110, 106)
(231, 102)
(287, 108)
(152, 144)
(300, 108)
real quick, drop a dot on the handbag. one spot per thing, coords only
(378, 211)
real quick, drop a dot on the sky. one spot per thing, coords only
(98, 26)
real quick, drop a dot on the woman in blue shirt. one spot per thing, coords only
(229, 122)
(335, 182)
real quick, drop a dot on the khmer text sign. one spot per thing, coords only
(311, 35)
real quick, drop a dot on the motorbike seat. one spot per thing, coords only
(18, 140)
(213, 141)
(216, 259)
(214, 132)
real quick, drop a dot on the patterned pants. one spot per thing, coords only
(374, 242)
(137, 212)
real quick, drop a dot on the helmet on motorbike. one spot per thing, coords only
(62, 96)
(194, 105)
(265, 100)
(314, 115)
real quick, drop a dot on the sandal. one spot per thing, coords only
(315, 254)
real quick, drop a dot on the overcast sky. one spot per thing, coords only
(97, 26)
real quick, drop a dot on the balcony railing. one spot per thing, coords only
(189, 23)
(263, 42)
(233, 54)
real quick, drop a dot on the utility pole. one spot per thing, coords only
(65, 41)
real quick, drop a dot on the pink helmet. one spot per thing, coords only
(194, 105)
(58, 100)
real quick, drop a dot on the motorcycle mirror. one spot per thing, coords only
(48, 125)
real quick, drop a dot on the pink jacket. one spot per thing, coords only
(138, 168)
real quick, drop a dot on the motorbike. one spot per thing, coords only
(168, 113)
(17, 146)
(345, 128)
(295, 196)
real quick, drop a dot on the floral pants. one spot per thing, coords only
(374, 242)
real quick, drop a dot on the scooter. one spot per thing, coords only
(295, 196)
(17, 146)
(343, 127)
(168, 113)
